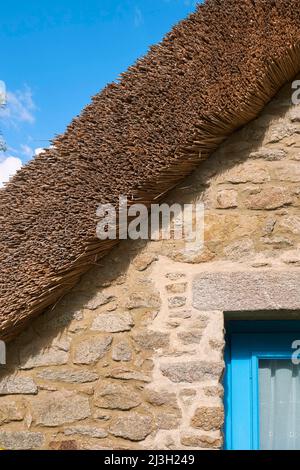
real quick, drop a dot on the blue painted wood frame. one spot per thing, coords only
(246, 343)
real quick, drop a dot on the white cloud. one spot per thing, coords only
(8, 168)
(38, 151)
(19, 107)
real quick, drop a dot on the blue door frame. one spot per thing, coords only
(246, 343)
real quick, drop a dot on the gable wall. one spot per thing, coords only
(128, 359)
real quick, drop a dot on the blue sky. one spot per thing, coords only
(57, 53)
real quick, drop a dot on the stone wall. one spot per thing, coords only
(128, 360)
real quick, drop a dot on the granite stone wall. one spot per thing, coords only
(129, 359)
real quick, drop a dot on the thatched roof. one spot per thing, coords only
(212, 73)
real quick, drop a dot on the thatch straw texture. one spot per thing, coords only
(212, 73)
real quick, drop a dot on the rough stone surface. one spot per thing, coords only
(167, 420)
(99, 300)
(178, 301)
(70, 444)
(92, 349)
(115, 396)
(178, 288)
(68, 375)
(202, 441)
(10, 411)
(190, 337)
(21, 440)
(89, 431)
(139, 300)
(32, 358)
(266, 199)
(269, 154)
(236, 291)
(60, 408)
(247, 172)
(208, 418)
(227, 199)
(122, 352)
(148, 339)
(12, 385)
(113, 322)
(194, 371)
(144, 260)
(128, 374)
(159, 398)
(133, 426)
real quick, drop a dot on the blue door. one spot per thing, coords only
(262, 385)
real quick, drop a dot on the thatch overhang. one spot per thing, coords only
(214, 72)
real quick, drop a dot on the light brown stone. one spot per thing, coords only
(268, 198)
(161, 397)
(214, 391)
(179, 288)
(227, 199)
(202, 441)
(17, 385)
(99, 300)
(113, 322)
(128, 374)
(187, 395)
(280, 131)
(142, 300)
(270, 154)
(247, 172)
(68, 375)
(175, 276)
(11, 411)
(208, 418)
(192, 371)
(190, 337)
(288, 171)
(90, 431)
(290, 224)
(175, 302)
(143, 261)
(147, 339)
(59, 408)
(132, 426)
(239, 249)
(116, 396)
(92, 349)
(21, 440)
(165, 420)
(122, 352)
(32, 356)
